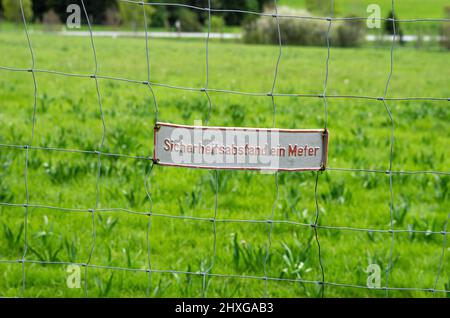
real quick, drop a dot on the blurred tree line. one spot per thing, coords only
(119, 12)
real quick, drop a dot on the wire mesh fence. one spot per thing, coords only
(207, 272)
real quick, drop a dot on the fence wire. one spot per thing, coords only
(270, 221)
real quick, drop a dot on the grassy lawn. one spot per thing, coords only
(404, 9)
(67, 117)
(38, 27)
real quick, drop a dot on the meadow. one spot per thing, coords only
(178, 240)
(404, 10)
(410, 9)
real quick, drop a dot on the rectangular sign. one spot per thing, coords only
(240, 148)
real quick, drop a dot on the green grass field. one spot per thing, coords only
(404, 9)
(409, 9)
(67, 117)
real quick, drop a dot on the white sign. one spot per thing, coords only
(240, 148)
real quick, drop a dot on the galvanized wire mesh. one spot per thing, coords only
(270, 221)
